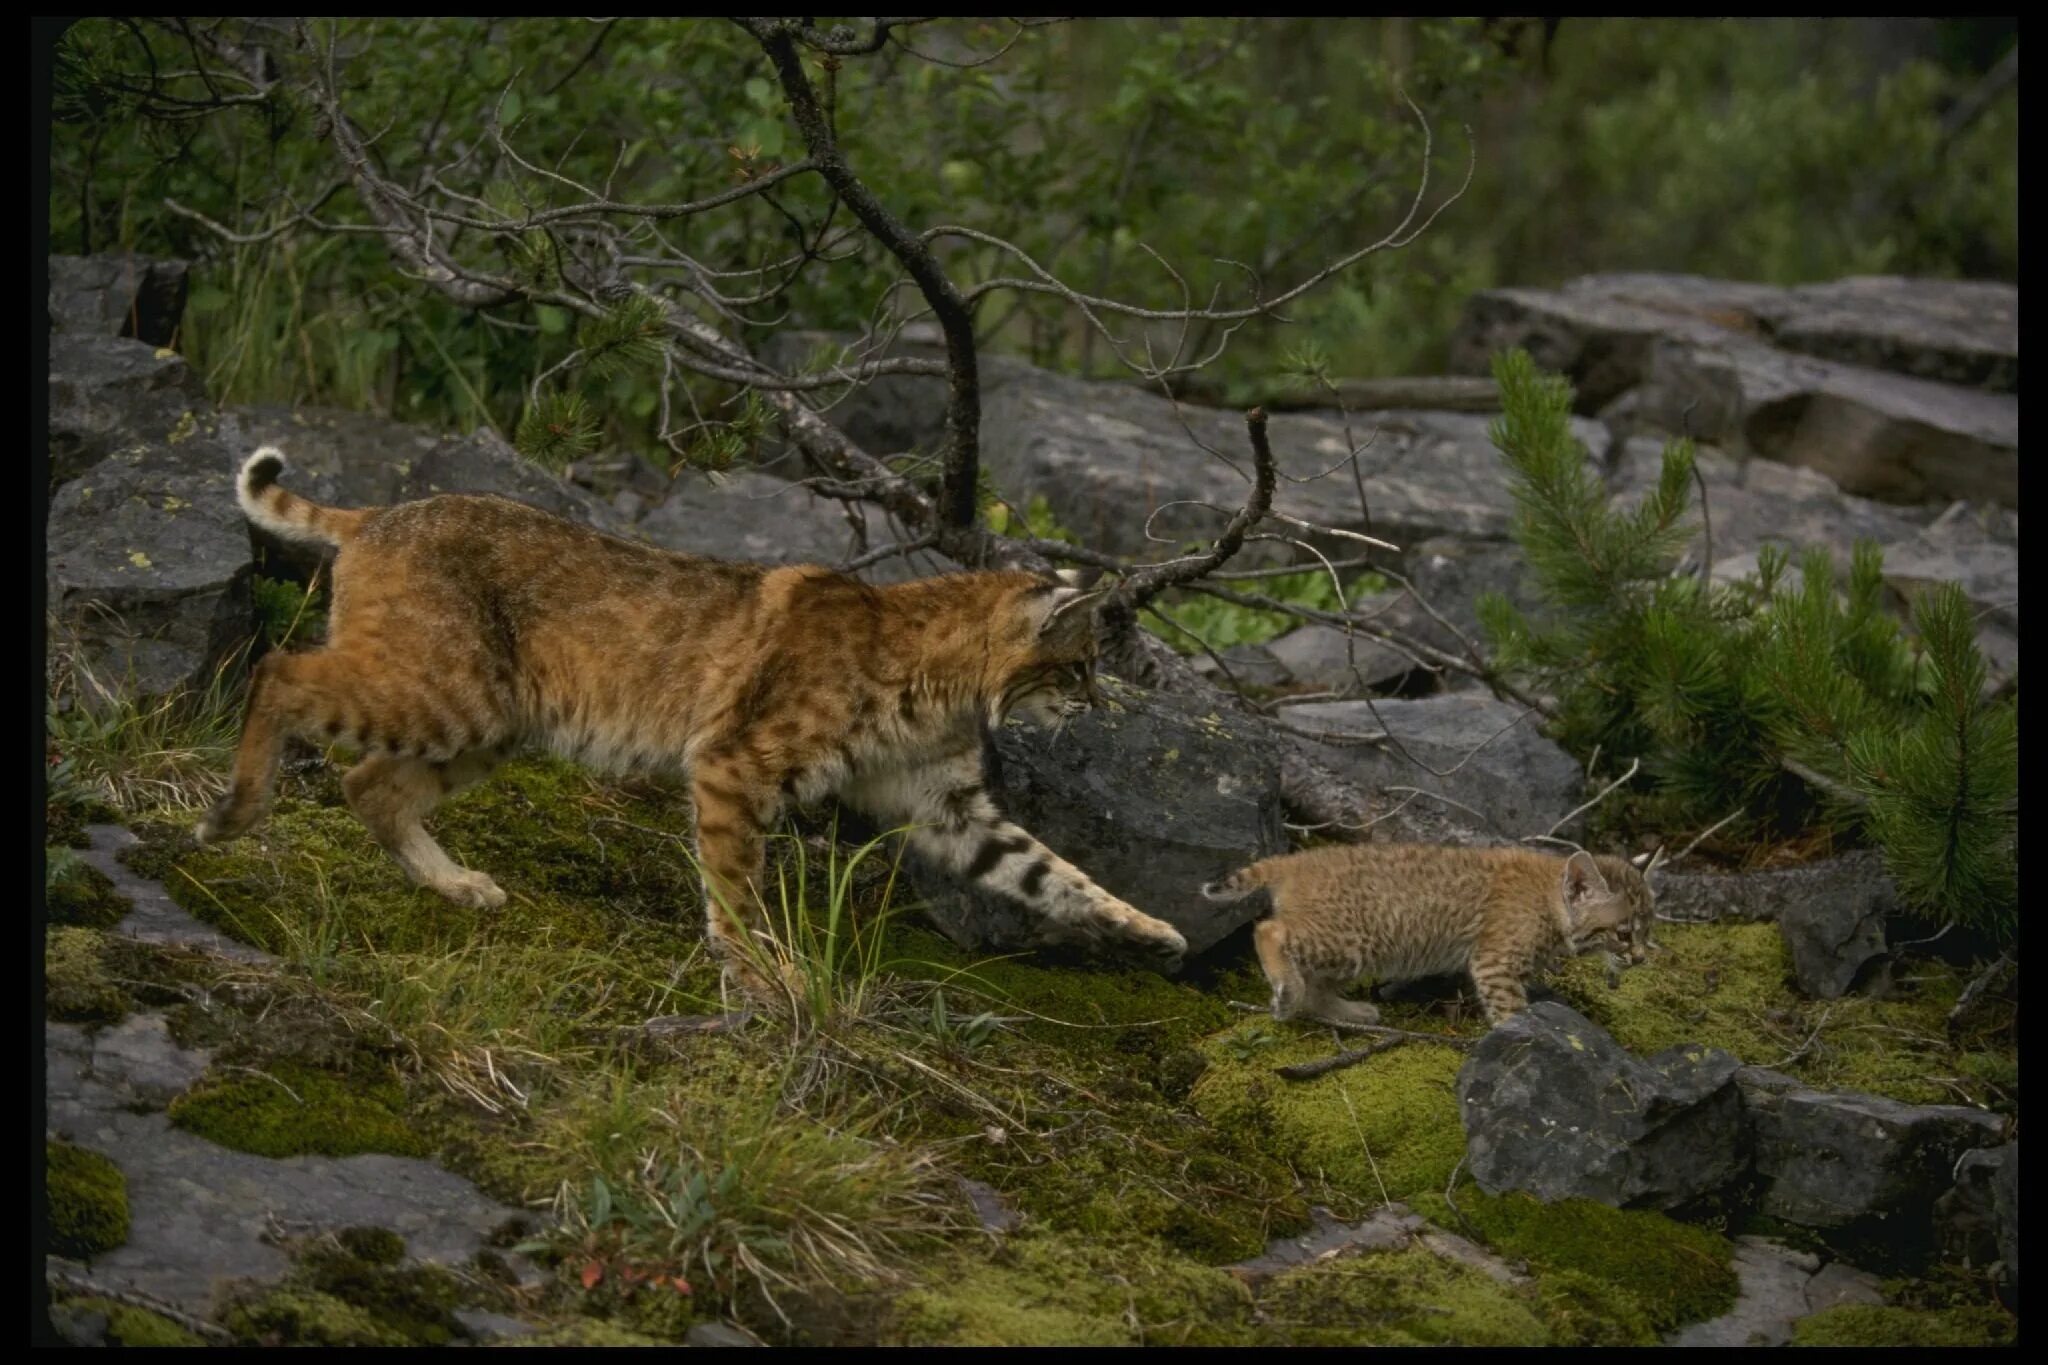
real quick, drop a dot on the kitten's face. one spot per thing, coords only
(1609, 907)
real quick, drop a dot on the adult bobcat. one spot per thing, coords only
(1402, 911)
(462, 627)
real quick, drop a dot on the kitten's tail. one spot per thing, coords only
(1238, 884)
(288, 515)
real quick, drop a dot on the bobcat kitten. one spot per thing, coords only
(1400, 911)
(463, 627)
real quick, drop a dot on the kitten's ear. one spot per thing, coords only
(1582, 881)
(1071, 622)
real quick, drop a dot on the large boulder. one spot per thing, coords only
(755, 516)
(1836, 1160)
(1967, 1227)
(107, 393)
(1149, 794)
(1554, 1106)
(1861, 379)
(1328, 658)
(1105, 456)
(1878, 435)
(1753, 503)
(1856, 879)
(884, 414)
(118, 296)
(485, 462)
(1597, 329)
(1835, 932)
(1479, 752)
(149, 566)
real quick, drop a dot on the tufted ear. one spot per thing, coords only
(1071, 622)
(1582, 882)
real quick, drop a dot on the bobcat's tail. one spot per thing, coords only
(1238, 884)
(287, 514)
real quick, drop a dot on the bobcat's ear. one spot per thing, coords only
(1072, 578)
(1071, 622)
(1582, 882)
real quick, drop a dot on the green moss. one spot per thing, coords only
(1056, 1290)
(293, 1110)
(415, 1302)
(1730, 986)
(1387, 1129)
(375, 1246)
(1676, 1273)
(76, 986)
(75, 892)
(1408, 1297)
(128, 1325)
(1583, 1311)
(1867, 1325)
(66, 816)
(88, 1201)
(304, 1317)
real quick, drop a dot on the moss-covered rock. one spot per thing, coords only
(1408, 1297)
(76, 985)
(293, 1110)
(1386, 1130)
(1057, 1290)
(128, 1325)
(1871, 1325)
(1730, 986)
(1673, 1272)
(88, 1201)
(75, 892)
(305, 1317)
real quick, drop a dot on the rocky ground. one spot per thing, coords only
(291, 1100)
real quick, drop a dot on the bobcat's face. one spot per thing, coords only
(1049, 695)
(1057, 682)
(1610, 908)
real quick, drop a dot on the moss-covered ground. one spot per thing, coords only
(805, 1176)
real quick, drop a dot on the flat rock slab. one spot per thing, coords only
(754, 516)
(1480, 752)
(154, 916)
(1779, 1286)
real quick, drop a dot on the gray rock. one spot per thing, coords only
(1838, 1284)
(1969, 549)
(1325, 657)
(1554, 1106)
(1977, 1222)
(754, 516)
(344, 459)
(717, 1334)
(1834, 932)
(482, 1325)
(1600, 336)
(1105, 456)
(1486, 754)
(1877, 435)
(1387, 1229)
(1855, 878)
(109, 394)
(198, 1212)
(484, 462)
(1597, 329)
(139, 1057)
(1752, 503)
(1253, 665)
(2005, 1210)
(1773, 1280)
(118, 296)
(1149, 794)
(990, 1209)
(1452, 575)
(888, 414)
(153, 917)
(1833, 1160)
(76, 1325)
(1952, 331)
(149, 567)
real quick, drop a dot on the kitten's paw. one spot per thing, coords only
(473, 889)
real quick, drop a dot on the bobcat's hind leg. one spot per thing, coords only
(392, 795)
